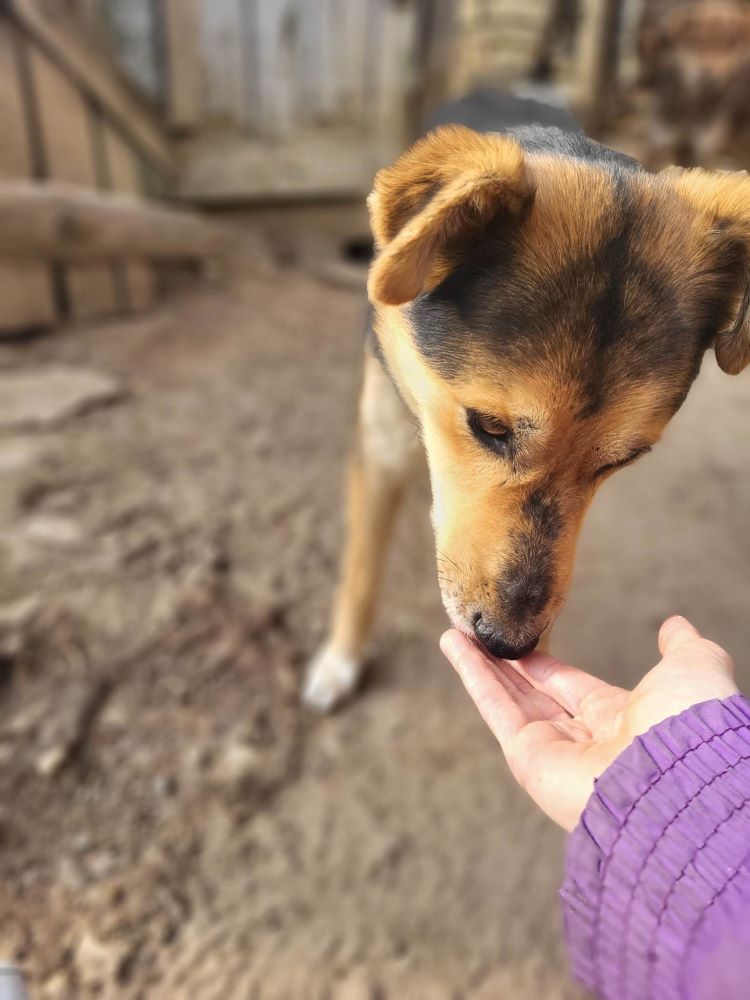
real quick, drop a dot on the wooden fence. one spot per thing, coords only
(292, 97)
(218, 101)
(279, 98)
(65, 116)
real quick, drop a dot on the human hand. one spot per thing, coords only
(560, 727)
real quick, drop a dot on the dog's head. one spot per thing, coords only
(544, 315)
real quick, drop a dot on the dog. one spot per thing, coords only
(541, 306)
(695, 57)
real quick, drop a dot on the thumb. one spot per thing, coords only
(674, 633)
(698, 669)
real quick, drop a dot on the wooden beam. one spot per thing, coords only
(180, 20)
(436, 45)
(597, 61)
(15, 152)
(608, 64)
(70, 223)
(26, 298)
(97, 80)
(320, 163)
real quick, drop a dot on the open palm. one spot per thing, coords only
(560, 727)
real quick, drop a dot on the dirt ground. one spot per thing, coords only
(172, 824)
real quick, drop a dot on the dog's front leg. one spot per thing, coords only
(384, 457)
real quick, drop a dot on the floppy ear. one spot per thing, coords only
(441, 194)
(732, 346)
(725, 198)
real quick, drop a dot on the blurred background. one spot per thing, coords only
(183, 250)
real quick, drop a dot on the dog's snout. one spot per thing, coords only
(524, 596)
(497, 644)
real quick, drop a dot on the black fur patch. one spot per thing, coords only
(487, 109)
(525, 587)
(574, 144)
(607, 317)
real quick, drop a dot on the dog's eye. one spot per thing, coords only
(611, 466)
(490, 431)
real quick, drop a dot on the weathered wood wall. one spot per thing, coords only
(310, 97)
(497, 40)
(293, 97)
(65, 116)
(257, 99)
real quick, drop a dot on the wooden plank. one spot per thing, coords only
(135, 279)
(69, 223)
(15, 155)
(349, 21)
(92, 74)
(124, 166)
(90, 14)
(70, 156)
(134, 33)
(92, 290)
(221, 53)
(64, 121)
(312, 61)
(316, 163)
(608, 64)
(278, 30)
(437, 41)
(297, 64)
(399, 29)
(25, 295)
(142, 285)
(85, 15)
(593, 17)
(180, 19)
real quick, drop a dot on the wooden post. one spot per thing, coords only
(436, 41)
(180, 20)
(35, 294)
(608, 63)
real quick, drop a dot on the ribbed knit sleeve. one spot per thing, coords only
(657, 888)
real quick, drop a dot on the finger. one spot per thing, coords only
(534, 703)
(566, 684)
(497, 704)
(674, 633)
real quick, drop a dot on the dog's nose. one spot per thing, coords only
(498, 645)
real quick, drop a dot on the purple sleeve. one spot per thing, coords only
(657, 888)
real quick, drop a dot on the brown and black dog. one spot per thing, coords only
(541, 307)
(695, 57)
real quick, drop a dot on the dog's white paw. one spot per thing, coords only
(330, 679)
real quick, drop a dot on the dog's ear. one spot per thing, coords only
(724, 197)
(434, 200)
(732, 346)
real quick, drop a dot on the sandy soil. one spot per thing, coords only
(172, 824)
